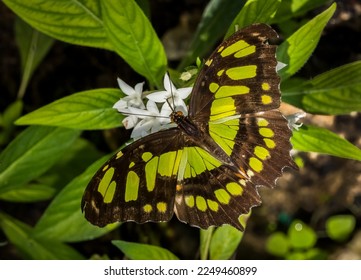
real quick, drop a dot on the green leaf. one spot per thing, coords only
(297, 255)
(297, 48)
(340, 227)
(7, 119)
(73, 21)
(334, 92)
(28, 193)
(78, 158)
(320, 140)
(134, 39)
(84, 110)
(254, 11)
(20, 235)
(33, 46)
(310, 254)
(33, 152)
(63, 219)
(11, 113)
(137, 251)
(205, 241)
(296, 8)
(225, 241)
(216, 18)
(277, 244)
(301, 236)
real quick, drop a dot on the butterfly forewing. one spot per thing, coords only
(239, 77)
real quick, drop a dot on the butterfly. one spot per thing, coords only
(208, 168)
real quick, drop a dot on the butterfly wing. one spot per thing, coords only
(138, 183)
(236, 98)
(161, 174)
(238, 78)
(214, 197)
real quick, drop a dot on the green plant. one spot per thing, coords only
(50, 161)
(300, 242)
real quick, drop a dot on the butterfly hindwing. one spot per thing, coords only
(214, 197)
(136, 184)
(258, 143)
(263, 147)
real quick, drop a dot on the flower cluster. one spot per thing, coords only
(147, 118)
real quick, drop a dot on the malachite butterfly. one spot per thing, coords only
(207, 169)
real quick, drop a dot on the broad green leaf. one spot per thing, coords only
(301, 236)
(33, 46)
(254, 11)
(320, 140)
(340, 227)
(225, 241)
(334, 92)
(73, 21)
(78, 158)
(28, 193)
(296, 8)
(297, 48)
(205, 241)
(137, 251)
(33, 152)
(84, 110)
(20, 235)
(134, 39)
(63, 219)
(277, 244)
(216, 18)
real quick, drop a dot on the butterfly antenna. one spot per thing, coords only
(172, 96)
(140, 115)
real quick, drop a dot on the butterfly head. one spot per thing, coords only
(177, 117)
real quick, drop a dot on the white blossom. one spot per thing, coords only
(146, 119)
(294, 118)
(171, 96)
(133, 96)
(151, 120)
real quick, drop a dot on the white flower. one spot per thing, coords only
(147, 119)
(133, 98)
(294, 118)
(171, 96)
(130, 121)
(151, 120)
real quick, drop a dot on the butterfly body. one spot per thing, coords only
(195, 135)
(207, 169)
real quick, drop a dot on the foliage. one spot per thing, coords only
(301, 240)
(49, 161)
